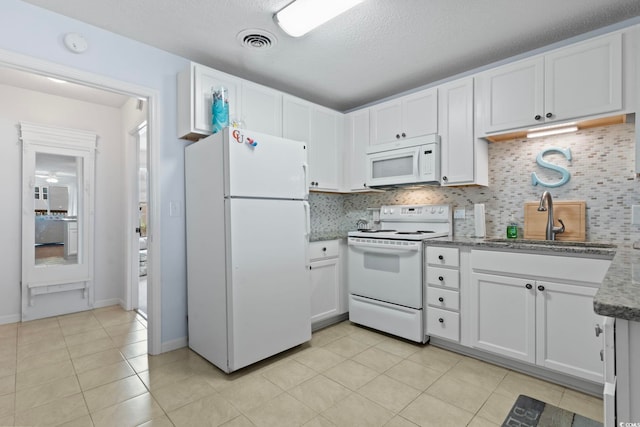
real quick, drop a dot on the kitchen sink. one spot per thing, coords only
(552, 242)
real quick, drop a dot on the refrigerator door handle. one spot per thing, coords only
(307, 225)
(305, 168)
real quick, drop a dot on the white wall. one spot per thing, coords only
(24, 105)
(38, 33)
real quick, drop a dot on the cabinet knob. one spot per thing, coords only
(599, 330)
(537, 117)
(324, 249)
(540, 288)
(441, 320)
(548, 115)
(404, 134)
(440, 257)
(397, 136)
(441, 299)
(445, 179)
(528, 286)
(441, 278)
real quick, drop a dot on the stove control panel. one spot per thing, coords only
(415, 213)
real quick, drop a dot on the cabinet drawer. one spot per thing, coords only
(444, 324)
(443, 298)
(443, 256)
(443, 277)
(324, 249)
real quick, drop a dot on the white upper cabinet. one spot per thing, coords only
(355, 149)
(407, 117)
(464, 158)
(512, 96)
(296, 118)
(261, 109)
(581, 80)
(323, 130)
(584, 79)
(195, 85)
(325, 145)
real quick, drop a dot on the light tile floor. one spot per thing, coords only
(91, 369)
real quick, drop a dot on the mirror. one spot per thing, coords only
(56, 208)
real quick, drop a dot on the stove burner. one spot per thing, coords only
(376, 231)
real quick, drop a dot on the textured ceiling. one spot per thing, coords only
(377, 49)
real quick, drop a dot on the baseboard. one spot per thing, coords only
(108, 302)
(564, 380)
(315, 326)
(10, 318)
(174, 344)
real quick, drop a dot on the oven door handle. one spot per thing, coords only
(372, 248)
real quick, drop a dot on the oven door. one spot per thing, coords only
(399, 166)
(386, 270)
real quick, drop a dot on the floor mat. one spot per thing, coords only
(530, 412)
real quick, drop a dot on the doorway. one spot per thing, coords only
(97, 82)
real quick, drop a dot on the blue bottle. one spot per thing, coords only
(219, 109)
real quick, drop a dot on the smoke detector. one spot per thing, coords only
(257, 39)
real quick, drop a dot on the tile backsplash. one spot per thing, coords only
(602, 174)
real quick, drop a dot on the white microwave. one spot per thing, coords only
(408, 162)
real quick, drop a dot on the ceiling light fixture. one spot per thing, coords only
(302, 16)
(554, 131)
(52, 180)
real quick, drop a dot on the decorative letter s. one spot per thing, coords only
(565, 173)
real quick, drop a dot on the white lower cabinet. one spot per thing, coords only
(503, 315)
(547, 323)
(328, 296)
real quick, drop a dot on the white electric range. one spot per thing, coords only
(385, 271)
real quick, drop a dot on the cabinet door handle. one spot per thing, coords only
(397, 136)
(441, 299)
(528, 286)
(599, 330)
(441, 278)
(548, 115)
(602, 355)
(540, 288)
(440, 257)
(441, 320)
(537, 117)
(404, 135)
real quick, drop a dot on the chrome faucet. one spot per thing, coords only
(551, 230)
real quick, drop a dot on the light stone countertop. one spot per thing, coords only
(327, 235)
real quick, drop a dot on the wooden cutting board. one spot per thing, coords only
(572, 213)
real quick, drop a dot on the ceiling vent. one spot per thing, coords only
(257, 39)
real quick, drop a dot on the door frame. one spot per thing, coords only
(51, 69)
(132, 155)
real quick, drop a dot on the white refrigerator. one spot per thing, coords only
(247, 220)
